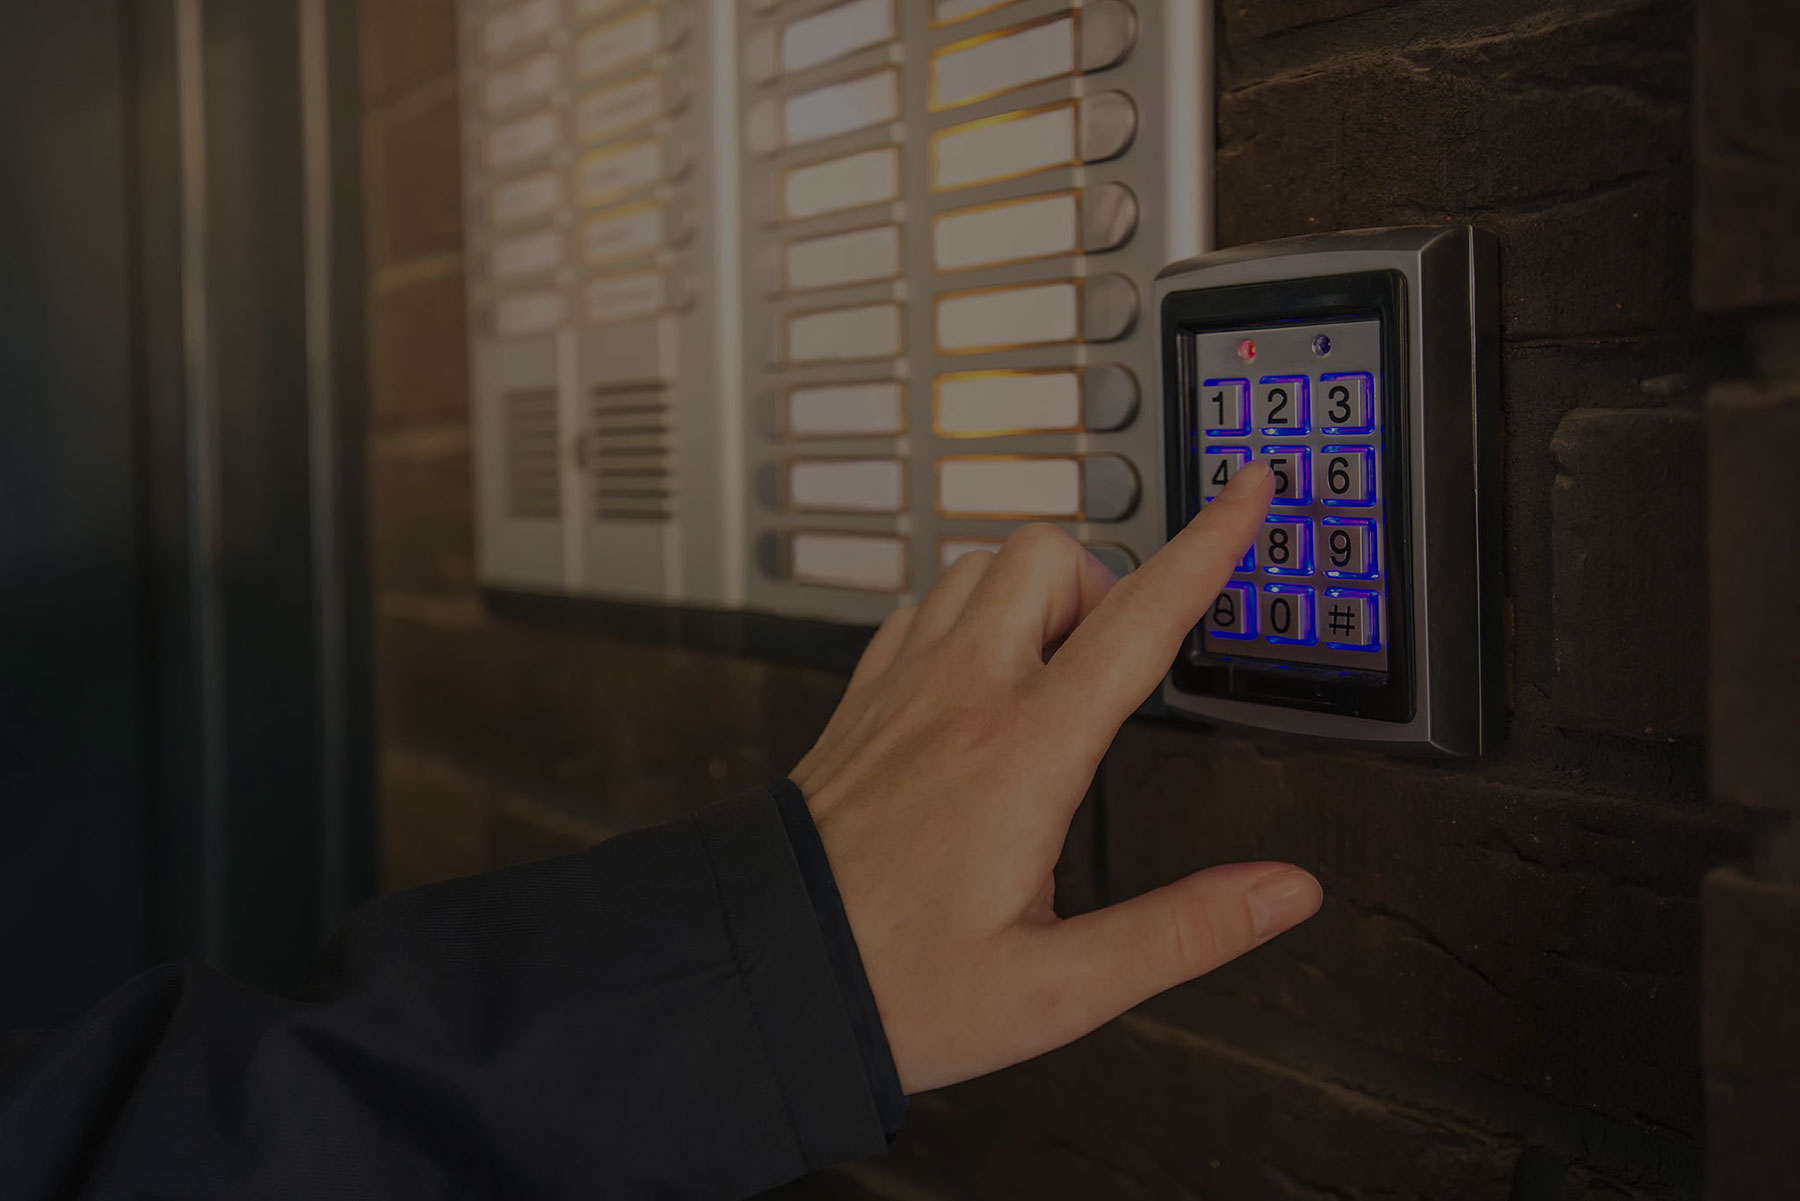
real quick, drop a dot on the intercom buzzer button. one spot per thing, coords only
(1281, 405)
(1347, 402)
(1225, 408)
(1233, 612)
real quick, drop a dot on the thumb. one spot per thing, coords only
(1131, 951)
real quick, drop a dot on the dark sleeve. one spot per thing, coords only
(660, 1016)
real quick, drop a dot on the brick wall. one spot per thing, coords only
(1501, 996)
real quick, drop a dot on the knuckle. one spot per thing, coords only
(1197, 940)
(1040, 537)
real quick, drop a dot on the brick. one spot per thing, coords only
(1544, 939)
(405, 43)
(1747, 171)
(1753, 528)
(1540, 385)
(1626, 535)
(413, 166)
(421, 515)
(1457, 129)
(418, 357)
(1143, 1110)
(625, 734)
(433, 820)
(1752, 1037)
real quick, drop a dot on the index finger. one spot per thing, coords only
(1116, 658)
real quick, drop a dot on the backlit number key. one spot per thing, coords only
(1281, 403)
(1217, 465)
(1225, 407)
(1347, 548)
(1345, 475)
(1285, 546)
(1347, 403)
(1286, 613)
(1288, 465)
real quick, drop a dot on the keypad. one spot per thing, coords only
(1312, 588)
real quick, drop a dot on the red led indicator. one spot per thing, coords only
(1246, 350)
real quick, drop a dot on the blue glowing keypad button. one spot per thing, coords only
(1345, 475)
(1346, 402)
(1225, 408)
(1285, 546)
(1281, 405)
(1286, 614)
(1217, 465)
(1350, 620)
(1293, 479)
(1347, 548)
(1233, 613)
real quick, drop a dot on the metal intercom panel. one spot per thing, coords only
(1358, 367)
(779, 307)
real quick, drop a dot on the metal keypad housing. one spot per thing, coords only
(1328, 593)
(1360, 366)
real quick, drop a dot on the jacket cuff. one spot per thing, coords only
(781, 957)
(846, 960)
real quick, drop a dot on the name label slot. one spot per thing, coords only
(533, 79)
(870, 177)
(870, 562)
(1004, 147)
(610, 111)
(841, 107)
(980, 404)
(1022, 488)
(871, 331)
(608, 174)
(624, 232)
(846, 410)
(978, 67)
(623, 42)
(1011, 231)
(520, 141)
(836, 32)
(847, 485)
(857, 256)
(1000, 318)
(526, 198)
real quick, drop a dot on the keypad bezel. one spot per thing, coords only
(1386, 695)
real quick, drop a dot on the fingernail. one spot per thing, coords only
(1283, 899)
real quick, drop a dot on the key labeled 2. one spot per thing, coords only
(1281, 405)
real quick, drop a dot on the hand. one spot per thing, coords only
(944, 784)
